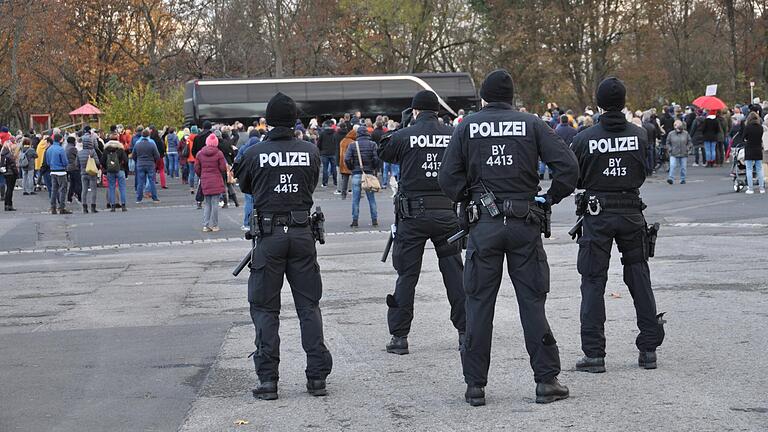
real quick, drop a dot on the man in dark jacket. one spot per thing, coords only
(654, 133)
(199, 141)
(367, 153)
(73, 170)
(328, 146)
(146, 156)
(565, 131)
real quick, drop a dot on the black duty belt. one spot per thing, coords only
(291, 219)
(595, 202)
(430, 203)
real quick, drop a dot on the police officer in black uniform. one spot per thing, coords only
(492, 161)
(423, 213)
(281, 173)
(612, 158)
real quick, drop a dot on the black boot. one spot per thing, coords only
(53, 210)
(93, 208)
(375, 222)
(353, 224)
(64, 211)
(550, 391)
(266, 391)
(398, 345)
(125, 209)
(647, 360)
(475, 395)
(316, 387)
(85, 208)
(111, 208)
(591, 364)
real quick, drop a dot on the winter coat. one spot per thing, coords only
(89, 149)
(210, 167)
(42, 146)
(145, 154)
(367, 152)
(697, 131)
(653, 132)
(712, 130)
(348, 139)
(112, 147)
(679, 143)
(199, 142)
(11, 162)
(566, 132)
(326, 143)
(71, 150)
(753, 142)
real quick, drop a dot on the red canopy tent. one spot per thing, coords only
(87, 111)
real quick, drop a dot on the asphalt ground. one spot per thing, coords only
(132, 321)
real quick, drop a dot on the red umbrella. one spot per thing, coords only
(709, 103)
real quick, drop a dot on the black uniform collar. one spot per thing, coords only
(498, 105)
(425, 116)
(280, 133)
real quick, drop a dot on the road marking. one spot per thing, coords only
(161, 244)
(716, 225)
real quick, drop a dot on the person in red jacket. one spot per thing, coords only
(210, 167)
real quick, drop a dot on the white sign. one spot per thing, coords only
(711, 90)
(751, 83)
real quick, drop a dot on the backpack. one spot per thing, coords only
(113, 162)
(23, 160)
(185, 150)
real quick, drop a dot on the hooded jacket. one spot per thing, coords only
(326, 142)
(112, 147)
(348, 139)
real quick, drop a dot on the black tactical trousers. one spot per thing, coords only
(490, 240)
(291, 253)
(594, 257)
(408, 249)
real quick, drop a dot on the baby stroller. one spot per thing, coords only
(739, 169)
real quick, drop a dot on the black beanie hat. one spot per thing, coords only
(611, 94)
(207, 124)
(498, 87)
(281, 111)
(425, 100)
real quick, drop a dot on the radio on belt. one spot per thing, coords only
(488, 200)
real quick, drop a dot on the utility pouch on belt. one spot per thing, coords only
(317, 224)
(265, 225)
(488, 200)
(473, 213)
(402, 206)
(299, 218)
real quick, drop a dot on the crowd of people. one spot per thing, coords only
(71, 167)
